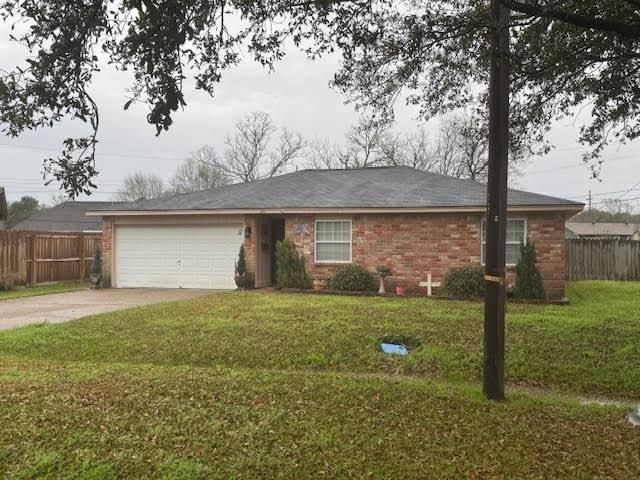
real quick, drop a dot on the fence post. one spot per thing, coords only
(34, 269)
(81, 249)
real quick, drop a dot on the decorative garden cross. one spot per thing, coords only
(429, 284)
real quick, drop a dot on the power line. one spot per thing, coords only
(98, 153)
(605, 201)
(582, 164)
(632, 189)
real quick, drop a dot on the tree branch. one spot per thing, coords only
(625, 29)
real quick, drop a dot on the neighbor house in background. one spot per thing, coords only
(412, 221)
(603, 230)
(65, 217)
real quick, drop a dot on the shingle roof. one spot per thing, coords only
(385, 187)
(603, 228)
(65, 217)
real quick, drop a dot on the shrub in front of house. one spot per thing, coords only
(8, 281)
(352, 278)
(290, 268)
(528, 278)
(464, 282)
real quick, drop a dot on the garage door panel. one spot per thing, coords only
(177, 256)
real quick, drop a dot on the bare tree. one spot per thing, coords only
(198, 172)
(459, 149)
(367, 143)
(617, 206)
(364, 143)
(140, 186)
(322, 154)
(249, 154)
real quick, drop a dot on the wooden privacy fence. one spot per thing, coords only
(46, 256)
(602, 260)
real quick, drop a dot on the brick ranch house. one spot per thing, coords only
(414, 222)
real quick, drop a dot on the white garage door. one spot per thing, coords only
(177, 256)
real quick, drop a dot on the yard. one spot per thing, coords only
(258, 385)
(43, 289)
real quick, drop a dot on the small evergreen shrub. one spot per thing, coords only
(290, 269)
(241, 264)
(96, 265)
(464, 282)
(528, 278)
(352, 278)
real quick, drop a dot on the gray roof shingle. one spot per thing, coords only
(383, 187)
(65, 217)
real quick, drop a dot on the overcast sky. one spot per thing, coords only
(296, 95)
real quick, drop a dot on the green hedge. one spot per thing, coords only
(352, 278)
(290, 268)
(464, 282)
(528, 278)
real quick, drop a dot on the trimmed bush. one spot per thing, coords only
(96, 265)
(241, 264)
(8, 281)
(464, 282)
(528, 278)
(290, 269)
(352, 278)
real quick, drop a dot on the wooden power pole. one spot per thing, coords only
(493, 372)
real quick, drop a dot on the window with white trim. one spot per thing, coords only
(333, 241)
(516, 234)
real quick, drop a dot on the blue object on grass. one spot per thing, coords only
(393, 349)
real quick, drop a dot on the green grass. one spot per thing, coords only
(256, 385)
(42, 289)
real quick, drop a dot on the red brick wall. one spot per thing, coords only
(107, 250)
(413, 245)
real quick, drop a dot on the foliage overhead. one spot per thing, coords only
(564, 54)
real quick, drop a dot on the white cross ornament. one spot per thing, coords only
(429, 284)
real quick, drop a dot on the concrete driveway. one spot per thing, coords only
(61, 307)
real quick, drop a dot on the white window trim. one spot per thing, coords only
(483, 240)
(315, 240)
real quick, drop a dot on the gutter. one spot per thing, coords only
(332, 210)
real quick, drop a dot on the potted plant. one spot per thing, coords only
(241, 270)
(383, 272)
(95, 274)
(320, 284)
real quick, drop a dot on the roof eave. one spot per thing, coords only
(353, 210)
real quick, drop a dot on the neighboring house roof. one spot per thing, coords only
(365, 188)
(603, 229)
(65, 217)
(568, 233)
(3, 205)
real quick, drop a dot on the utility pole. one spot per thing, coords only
(589, 199)
(493, 372)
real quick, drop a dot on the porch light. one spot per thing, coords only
(247, 232)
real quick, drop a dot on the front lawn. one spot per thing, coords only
(257, 385)
(42, 289)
